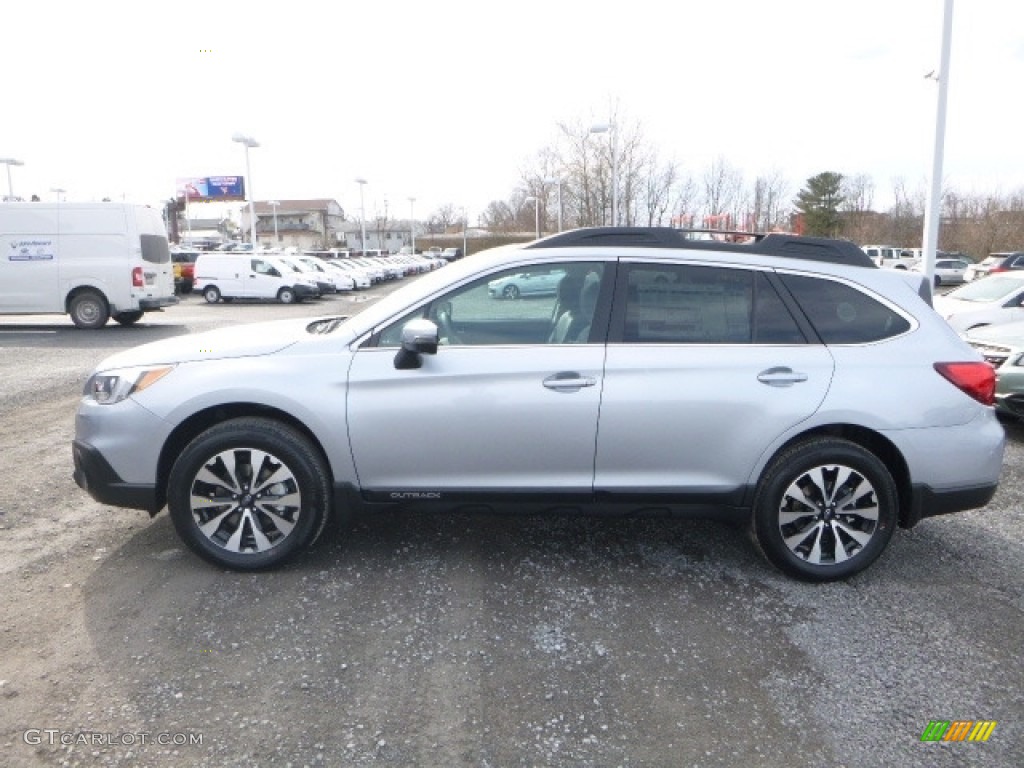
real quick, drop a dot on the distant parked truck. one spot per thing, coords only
(92, 261)
(891, 256)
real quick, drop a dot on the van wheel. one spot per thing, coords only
(128, 318)
(211, 294)
(249, 494)
(286, 296)
(89, 309)
(825, 509)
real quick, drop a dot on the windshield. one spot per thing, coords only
(992, 288)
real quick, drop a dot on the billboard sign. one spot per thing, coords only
(211, 189)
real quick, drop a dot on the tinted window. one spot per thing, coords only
(681, 304)
(548, 304)
(842, 314)
(155, 249)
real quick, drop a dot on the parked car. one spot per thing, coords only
(891, 256)
(948, 271)
(995, 299)
(229, 275)
(338, 280)
(744, 387)
(996, 263)
(360, 278)
(186, 263)
(1003, 347)
(542, 282)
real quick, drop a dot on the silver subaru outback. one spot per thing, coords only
(783, 382)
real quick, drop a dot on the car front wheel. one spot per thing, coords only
(211, 294)
(825, 509)
(249, 494)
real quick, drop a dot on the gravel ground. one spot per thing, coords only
(456, 640)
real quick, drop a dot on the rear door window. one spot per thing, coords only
(686, 304)
(155, 249)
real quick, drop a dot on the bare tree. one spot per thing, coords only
(722, 187)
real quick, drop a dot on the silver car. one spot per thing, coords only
(786, 383)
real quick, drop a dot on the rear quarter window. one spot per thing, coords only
(842, 314)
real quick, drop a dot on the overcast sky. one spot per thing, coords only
(446, 101)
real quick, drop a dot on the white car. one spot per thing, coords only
(988, 301)
(341, 282)
(360, 277)
(947, 271)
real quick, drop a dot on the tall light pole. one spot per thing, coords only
(58, 191)
(362, 214)
(412, 225)
(536, 211)
(557, 180)
(248, 142)
(9, 161)
(933, 213)
(610, 129)
(274, 204)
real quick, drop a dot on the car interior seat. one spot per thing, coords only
(567, 310)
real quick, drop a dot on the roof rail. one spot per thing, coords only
(772, 244)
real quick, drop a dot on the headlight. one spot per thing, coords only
(114, 386)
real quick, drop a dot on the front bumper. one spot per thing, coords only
(94, 475)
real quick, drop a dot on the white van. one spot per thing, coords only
(890, 256)
(227, 275)
(92, 261)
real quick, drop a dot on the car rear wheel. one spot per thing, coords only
(211, 294)
(825, 509)
(249, 494)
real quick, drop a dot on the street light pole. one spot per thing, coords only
(9, 161)
(557, 180)
(932, 217)
(610, 128)
(536, 212)
(58, 192)
(274, 204)
(412, 225)
(362, 215)
(248, 142)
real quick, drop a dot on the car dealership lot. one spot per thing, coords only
(462, 640)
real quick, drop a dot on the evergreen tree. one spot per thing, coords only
(819, 202)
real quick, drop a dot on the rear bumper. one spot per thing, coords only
(930, 503)
(149, 305)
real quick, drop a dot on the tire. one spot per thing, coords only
(211, 293)
(510, 292)
(286, 296)
(806, 536)
(128, 318)
(224, 511)
(89, 310)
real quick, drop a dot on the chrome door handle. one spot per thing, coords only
(568, 381)
(781, 376)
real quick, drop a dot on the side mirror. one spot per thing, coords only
(419, 337)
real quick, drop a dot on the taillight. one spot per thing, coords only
(137, 281)
(975, 379)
